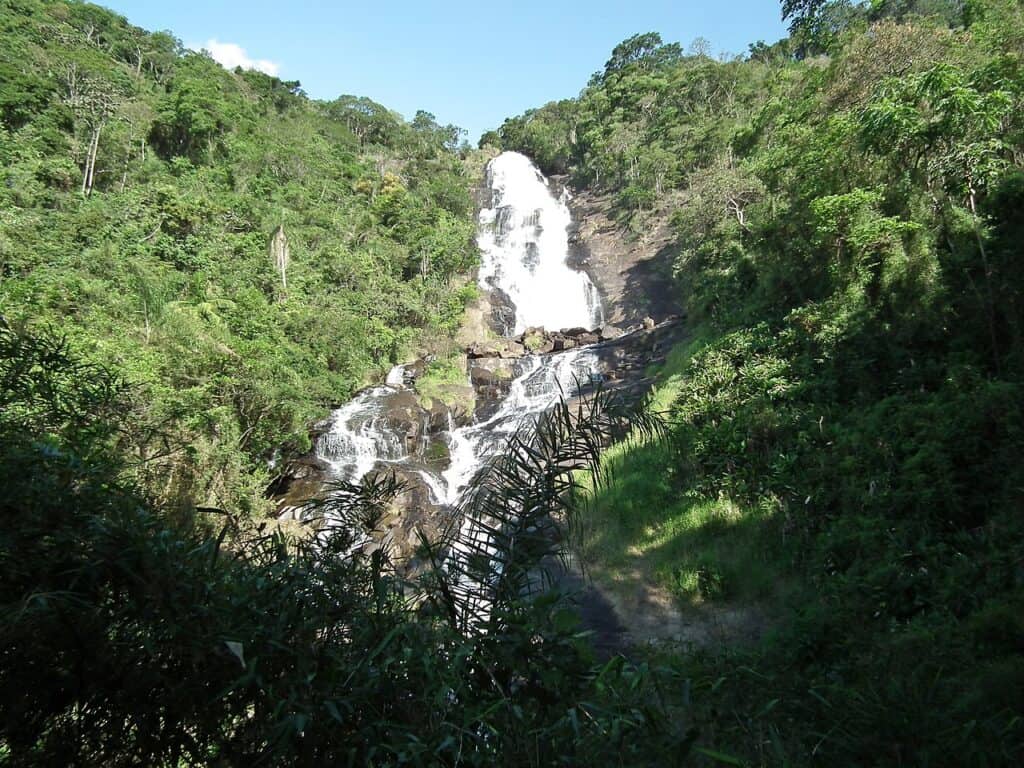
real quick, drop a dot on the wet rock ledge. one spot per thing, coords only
(626, 359)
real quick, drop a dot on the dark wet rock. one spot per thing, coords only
(436, 417)
(404, 415)
(491, 378)
(307, 466)
(318, 429)
(562, 343)
(503, 311)
(490, 375)
(460, 416)
(482, 377)
(413, 371)
(413, 512)
(299, 474)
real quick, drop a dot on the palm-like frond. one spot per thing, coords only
(513, 520)
(351, 511)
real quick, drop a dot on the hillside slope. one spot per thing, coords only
(846, 416)
(143, 188)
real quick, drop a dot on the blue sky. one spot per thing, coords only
(470, 63)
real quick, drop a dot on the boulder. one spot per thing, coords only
(561, 343)
(511, 350)
(319, 428)
(483, 349)
(537, 341)
(307, 466)
(483, 376)
(609, 332)
(587, 338)
(649, 323)
(574, 331)
(413, 371)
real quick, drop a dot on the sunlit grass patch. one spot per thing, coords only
(638, 523)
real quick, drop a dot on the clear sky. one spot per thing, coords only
(470, 63)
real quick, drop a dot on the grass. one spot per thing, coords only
(445, 379)
(701, 549)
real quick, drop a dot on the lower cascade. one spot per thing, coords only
(523, 239)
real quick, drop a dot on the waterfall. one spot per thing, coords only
(396, 376)
(535, 390)
(523, 238)
(524, 244)
(359, 436)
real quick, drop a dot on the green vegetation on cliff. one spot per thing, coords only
(142, 185)
(848, 425)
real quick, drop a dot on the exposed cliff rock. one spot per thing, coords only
(632, 271)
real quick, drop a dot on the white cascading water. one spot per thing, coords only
(524, 244)
(523, 238)
(543, 380)
(359, 436)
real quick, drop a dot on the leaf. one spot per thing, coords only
(236, 650)
(332, 710)
(720, 757)
(766, 708)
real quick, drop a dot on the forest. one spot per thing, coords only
(144, 184)
(196, 263)
(846, 420)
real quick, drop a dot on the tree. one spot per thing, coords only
(645, 50)
(195, 112)
(801, 13)
(369, 121)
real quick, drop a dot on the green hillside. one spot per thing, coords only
(195, 264)
(142, 186)
(847, 421)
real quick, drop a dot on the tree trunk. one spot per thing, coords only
(89, 173)
(280, 253)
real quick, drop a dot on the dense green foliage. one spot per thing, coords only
(141, 187)
(849, 420)
(843, 452)
(128, 640)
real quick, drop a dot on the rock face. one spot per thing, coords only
(540, 341)
(633, 272)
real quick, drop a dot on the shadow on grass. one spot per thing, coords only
(702, 550)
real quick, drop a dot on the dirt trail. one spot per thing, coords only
(635, 612)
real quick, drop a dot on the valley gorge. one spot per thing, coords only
(546, 339)
(676, 421)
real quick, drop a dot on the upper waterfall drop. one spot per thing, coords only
(524, 244)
